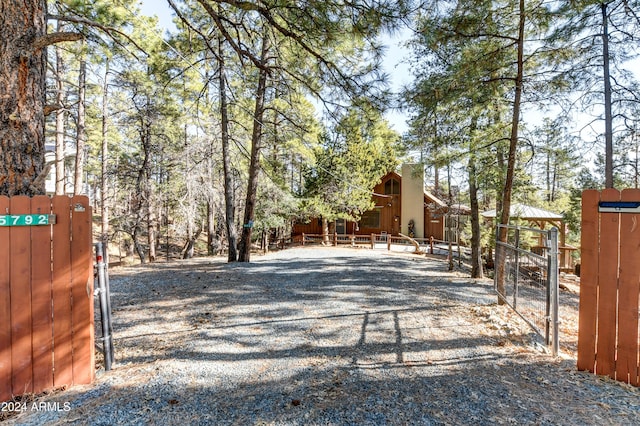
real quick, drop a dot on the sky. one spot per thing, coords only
(394, 62)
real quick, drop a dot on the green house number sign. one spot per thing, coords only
(27, 219)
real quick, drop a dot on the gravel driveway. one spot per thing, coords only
(329, 337)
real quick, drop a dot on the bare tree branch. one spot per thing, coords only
(108, 30)
(58, 37)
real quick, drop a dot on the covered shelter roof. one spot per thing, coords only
(522, 211)
(541, 218)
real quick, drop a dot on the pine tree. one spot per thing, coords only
(598, 38)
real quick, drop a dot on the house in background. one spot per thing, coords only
(400, 200)
(69, 159)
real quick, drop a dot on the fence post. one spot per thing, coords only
(105, 311)
(335, 239)
(303, 239)
(553, 288)
(431, 244)
(517, 260)
(373, 241)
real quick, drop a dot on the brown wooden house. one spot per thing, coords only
(391, 199)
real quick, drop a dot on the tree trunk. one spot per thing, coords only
(144, 184)
(104, 187)
(152, 237)
(229, 197)
(188, 250)
(22, 96)
(448, 216)
(265, 241)
(513, 148)
(188, 205)
(476, 258)
(211, 208)
(138, 245)
(325, 231)
(608, 115)
(211, 229)
(60, 116)
(548, 170)
(142, 196)
(81, 133)
(244, 252)
(436, 172)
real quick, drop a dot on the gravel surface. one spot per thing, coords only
(315, 336)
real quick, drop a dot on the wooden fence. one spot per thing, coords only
(610, 285)
(46, 294)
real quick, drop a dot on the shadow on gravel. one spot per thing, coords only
(246, 303)
(338, 341)
(203, 345)
(294, 279)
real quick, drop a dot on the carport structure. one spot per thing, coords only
(537, 217)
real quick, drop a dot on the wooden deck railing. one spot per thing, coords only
(368, 240)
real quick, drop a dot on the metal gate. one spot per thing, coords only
(530, 287)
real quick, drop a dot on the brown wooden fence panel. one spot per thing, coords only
(82, 291)
(629, 283)
(5, 306)
(62, 325)
(607, 286)
(610, 288)
(41, 297)
(588, 281)
(20, 277)
(46, 296)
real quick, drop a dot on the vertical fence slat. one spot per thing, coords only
(41, 298)
(63, 372)
(82, 291)
(608, 287)
(588, 281)
(20, 277)
(5, 312)
(629, 289)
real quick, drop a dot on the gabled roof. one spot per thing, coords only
(384, 178)
(434, 199)
(429, 196)
(523, 211)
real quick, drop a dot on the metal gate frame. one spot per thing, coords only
(526, 271)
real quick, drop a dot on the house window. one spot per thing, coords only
(392, 187)
(370, 219)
